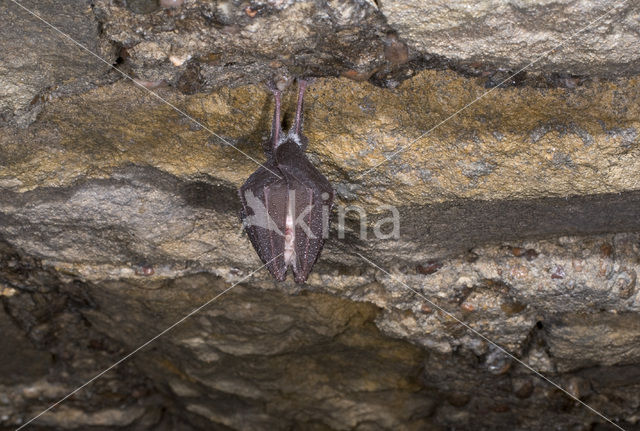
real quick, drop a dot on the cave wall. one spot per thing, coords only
(516, 187)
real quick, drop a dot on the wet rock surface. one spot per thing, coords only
(518, 216)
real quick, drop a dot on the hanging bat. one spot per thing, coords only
(286, 202)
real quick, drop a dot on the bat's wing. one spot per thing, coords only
(264, 199)
(312, 192)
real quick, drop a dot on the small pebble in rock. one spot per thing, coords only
(467, 307)
(606, 250)
(179, 60)
(429, 268)
(522, 388)
(497, 362)
(145, 270)
(558, 273)
(517, 251)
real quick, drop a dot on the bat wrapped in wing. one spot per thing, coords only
(286, 202)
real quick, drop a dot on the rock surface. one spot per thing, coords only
(517, 204)
(38, 64)
(567, 37)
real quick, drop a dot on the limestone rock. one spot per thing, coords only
(568, 36)
(517, 204)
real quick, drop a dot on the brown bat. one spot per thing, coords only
(286, 202)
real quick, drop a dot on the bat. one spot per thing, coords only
(286, 202)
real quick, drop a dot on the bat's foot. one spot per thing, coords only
(272, 87)
(278, 84)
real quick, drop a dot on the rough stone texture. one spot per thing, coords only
(119, 216)
(37, 65)
(586, 37)
(206, 44)
(516, 143)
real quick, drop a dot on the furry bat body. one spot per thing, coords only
(286, 202)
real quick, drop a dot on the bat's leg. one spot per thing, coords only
(297, 127)
(276, 126)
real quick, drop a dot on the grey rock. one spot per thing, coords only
(39, 64)
(586, 38)
(120, 238)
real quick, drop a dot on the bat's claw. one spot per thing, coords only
(278, 85)
(271, 85)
